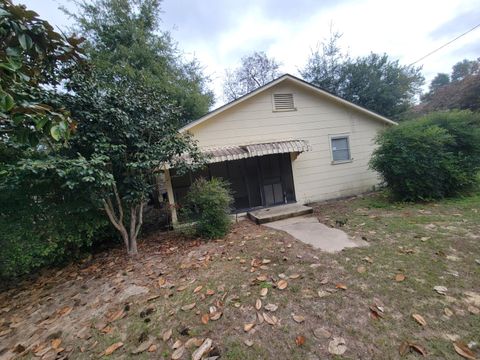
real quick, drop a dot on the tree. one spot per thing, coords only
(325, 64)
(380, 84)
(32, 56)
(438, 81)
(463, 92)
(128, 132)
(374, 81)
(256, 70)
(464, 68)
(124, 37)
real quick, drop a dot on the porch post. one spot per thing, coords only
(171, 200)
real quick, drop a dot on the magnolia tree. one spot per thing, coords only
(134, 129)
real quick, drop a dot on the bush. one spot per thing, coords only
(208, 204)
(433, 157)
(42, 223)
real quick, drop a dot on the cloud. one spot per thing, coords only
(457, 25)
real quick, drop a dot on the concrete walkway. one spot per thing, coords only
(320, 236)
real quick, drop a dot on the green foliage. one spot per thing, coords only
(124, 39)
(434, 157)
(45, 218)
(208, 204)
(375, 81)
(32, 56)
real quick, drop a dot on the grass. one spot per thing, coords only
(430, 244)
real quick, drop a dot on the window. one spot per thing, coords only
(340, 149)
(283, 102)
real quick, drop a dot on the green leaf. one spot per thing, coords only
(6, 102)
(25, 41)
(56, 132)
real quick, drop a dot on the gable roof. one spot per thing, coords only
(297, 81)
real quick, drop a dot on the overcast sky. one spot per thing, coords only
(220, 32)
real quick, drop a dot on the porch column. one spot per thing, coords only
(171, 200)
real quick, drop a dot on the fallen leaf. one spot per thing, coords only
(167, 335)
(177, 344)
(404, 348)
(65, 311)
(320, 333)
(216, 315)
(248, 327)
(341, 286)
(181, 288)
(152, 348)
(55, 343)
(210, 292)
(188, 307)
(419, 319)
(258, 304)
(248, 342)
(294, 276)
(205, 318)
(462, 349)
(261, 278)
(266, 261)
(399, 277)
(264, 292)
(418, 349)
(177, 354)
(117, 315)
(161, 281)
(271, 307)
(260, 318)
(202, 350)
(361, 269)
(442, 290)
(113, 348)
(270, 319)
(298, 318)
(337, 346)
(282, 284)
(300, 340)
(448, 312)
(376, 312)
(197, 289)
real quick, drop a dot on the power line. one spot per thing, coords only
(446, 44)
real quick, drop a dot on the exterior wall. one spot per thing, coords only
(315, 120)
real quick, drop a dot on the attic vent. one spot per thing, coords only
(283, 102)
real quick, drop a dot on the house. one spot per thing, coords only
(287, 141)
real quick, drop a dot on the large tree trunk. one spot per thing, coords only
(115, 214)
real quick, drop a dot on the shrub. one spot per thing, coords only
(208, 204)
(43, 223)
(433, 157)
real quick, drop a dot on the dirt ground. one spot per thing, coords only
(260, 294)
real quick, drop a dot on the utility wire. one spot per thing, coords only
(446, 44)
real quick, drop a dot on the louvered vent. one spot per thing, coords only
(283, 102)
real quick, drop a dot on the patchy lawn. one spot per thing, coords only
(260, 294)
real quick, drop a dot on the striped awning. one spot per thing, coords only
(236, 152)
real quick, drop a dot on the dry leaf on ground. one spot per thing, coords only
(271, 307)
(419, 319)
(399, 277)
(205, 318)
(188, 307)
(270, 319)
(282, 284)
(258, 304)
(248, 342)
(264, 292)
(442, 290)
(462, 349)
(298, 318)
(341, 286)
(248, 327)
(177, 354)
(300, 340)
(113, 348)
(337, 346)
(167, 335)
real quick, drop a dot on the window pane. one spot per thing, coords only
(340, 144)
(340, 155)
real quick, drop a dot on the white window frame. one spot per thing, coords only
(285, 110)
(340, 136)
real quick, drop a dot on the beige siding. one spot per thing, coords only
(315, 120)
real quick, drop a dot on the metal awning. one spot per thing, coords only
(236, 152)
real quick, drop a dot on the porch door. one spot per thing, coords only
(272, 184)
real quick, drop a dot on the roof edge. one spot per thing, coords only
(275, 82)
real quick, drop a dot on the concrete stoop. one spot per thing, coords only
(280, 212)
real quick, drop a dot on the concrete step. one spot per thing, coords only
(279, 212)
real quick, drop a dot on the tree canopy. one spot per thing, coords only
(124, 37)
(255, 70)
(373, 81)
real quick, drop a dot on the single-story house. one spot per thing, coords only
(287, 141)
